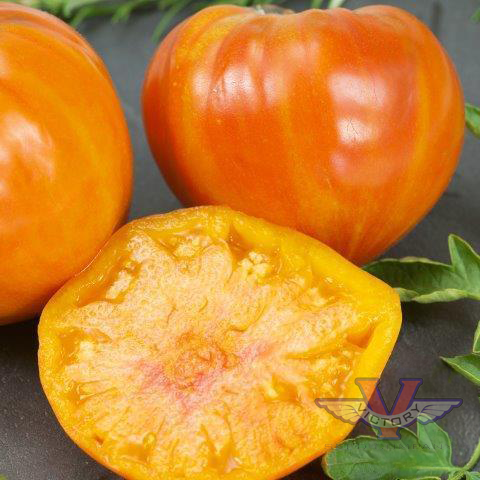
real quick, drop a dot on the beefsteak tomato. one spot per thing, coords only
(346, 125)
(196, 342)
(65, 158)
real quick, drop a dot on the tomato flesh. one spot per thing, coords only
(198, 349)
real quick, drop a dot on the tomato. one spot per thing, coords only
(65, 158)
(346, 125)
(195, 344)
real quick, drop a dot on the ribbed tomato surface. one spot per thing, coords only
(346, 125)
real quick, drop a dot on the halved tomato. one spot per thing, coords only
(195, 345)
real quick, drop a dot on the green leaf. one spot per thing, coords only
(331, 3)
(476, 340)
(92, 11)
(336, 3)
(425, 281)
(472, 476)
(472, 116)
(467, 365)
(476, 16)
(433, 437)
(70, 6)
(122, 14)
(411, 457)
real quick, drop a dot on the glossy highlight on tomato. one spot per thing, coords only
(65, 158)
(346, 125)
(196, 342)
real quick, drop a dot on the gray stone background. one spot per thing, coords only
(33, 446)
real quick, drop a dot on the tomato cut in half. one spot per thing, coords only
(195, 344)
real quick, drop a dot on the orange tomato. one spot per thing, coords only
(65, 158)
(346, 125)
(196, 342)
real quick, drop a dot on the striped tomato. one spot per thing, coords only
(346, 125)
(65, 158)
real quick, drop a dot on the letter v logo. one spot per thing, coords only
(376, 405)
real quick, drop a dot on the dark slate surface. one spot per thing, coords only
(33, 446)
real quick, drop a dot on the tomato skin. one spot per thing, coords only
(344, 125)
(65, 158)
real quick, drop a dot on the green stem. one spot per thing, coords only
(474, 459)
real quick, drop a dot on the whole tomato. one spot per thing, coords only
(346, 125)
(65, 158)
